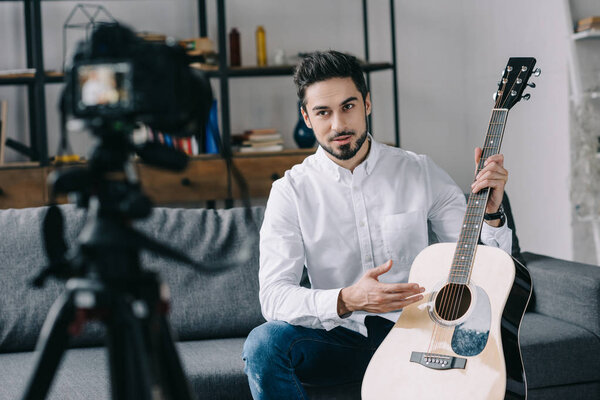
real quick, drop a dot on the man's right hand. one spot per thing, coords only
(368, 294)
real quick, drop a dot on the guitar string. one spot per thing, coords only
(434, 338)
(494, 133)
(498, 137)
(460, 281)
(453, 294)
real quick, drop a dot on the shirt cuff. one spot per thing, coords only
(326, 302)
(500, 236)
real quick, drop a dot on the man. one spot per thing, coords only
(355, 214)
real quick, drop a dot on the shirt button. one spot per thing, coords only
(362, 224)
(368, 258)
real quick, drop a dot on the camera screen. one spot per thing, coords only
(104, 86)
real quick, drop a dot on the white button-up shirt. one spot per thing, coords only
(340, 224)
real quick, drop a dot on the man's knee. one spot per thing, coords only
(268, 341)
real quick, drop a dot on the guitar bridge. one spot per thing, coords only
(438, 361)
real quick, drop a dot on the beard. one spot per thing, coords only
(346, 151)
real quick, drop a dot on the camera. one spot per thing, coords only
(117, 76)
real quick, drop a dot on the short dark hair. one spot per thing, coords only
(320, 66)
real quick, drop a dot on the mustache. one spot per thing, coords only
(344, 133)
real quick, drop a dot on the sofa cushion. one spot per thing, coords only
(563, 289)
(214, 368)
(220, 299)
(83, 374)
(556, 352)
(22, 308)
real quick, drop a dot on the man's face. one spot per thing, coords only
(335, 111)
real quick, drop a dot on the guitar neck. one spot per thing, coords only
(471, 228)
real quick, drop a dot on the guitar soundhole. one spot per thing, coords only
(453, 301)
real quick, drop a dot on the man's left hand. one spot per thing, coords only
(494, 176)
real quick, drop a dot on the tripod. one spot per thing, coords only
(105, 282)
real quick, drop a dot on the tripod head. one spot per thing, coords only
(108, 188)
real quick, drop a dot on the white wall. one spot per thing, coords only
(536, 143)
(449, 58)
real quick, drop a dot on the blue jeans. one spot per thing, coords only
(279, 357)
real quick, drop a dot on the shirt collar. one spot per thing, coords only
(329, 166)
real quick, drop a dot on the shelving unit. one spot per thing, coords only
(38, 149)
(261, 178)
(224, 73)
(584, 74)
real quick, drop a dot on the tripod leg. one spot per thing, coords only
(129, 364)
(172, 373)
(51, 346)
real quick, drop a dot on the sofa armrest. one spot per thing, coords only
(566, 290)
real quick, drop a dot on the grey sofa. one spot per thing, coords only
(213, 312)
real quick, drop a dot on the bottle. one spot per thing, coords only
(261, 47)
(234, 48)
(303, 135)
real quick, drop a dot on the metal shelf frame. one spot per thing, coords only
(38, 149)
(224, 73)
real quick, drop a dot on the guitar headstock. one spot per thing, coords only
(514, 79)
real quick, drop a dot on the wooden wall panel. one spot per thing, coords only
(202, 180)
(260, 172)
(22, 187)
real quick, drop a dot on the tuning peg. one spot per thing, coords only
(526, 96)
(495, 96)
(531, 84)
(537, 72)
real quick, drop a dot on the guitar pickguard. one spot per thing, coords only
(471, 336)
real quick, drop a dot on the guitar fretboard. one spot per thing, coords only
(471, 228)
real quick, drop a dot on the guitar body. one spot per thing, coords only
(423, 355)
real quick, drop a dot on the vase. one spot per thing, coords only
(303, 135)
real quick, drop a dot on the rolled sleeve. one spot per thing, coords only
(500, 237)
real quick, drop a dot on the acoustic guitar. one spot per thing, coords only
(462, 340)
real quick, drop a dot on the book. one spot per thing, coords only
(588, 20)
(587, 23)
(263, 138)
(262, 143)
(254, 149)
(588, 27)
(266, 131)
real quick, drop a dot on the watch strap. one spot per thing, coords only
(497, 215)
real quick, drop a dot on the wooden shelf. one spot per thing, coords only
(275, 70)
(211, 71)
(29, 78)
(206, 178)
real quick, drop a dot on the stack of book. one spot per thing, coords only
(589, 23)
(257, 140)
(187, 145)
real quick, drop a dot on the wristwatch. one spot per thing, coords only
(497, 215)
